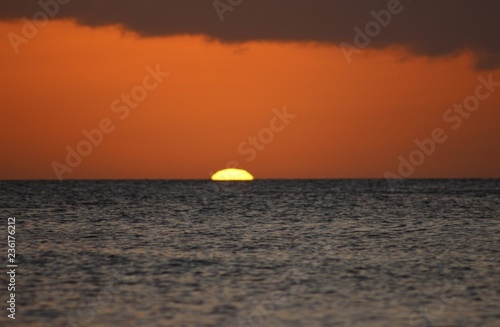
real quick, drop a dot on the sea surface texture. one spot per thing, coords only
(260, 253)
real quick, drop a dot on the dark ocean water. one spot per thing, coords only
(261, 253)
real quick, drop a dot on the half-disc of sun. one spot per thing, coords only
(232, 174)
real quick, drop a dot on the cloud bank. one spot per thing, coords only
(425, 27)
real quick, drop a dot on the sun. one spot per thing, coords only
(232, 174)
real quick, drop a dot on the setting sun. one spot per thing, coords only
(204, 159)
(232, 174)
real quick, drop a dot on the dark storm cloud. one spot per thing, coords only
(426, 27)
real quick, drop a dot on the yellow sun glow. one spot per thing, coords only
(232, 174)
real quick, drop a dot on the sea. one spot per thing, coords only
(261, 253)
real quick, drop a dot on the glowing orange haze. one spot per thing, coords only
(352, 120)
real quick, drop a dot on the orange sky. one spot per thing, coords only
(352, 120)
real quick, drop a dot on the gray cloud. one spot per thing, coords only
(425, 27)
